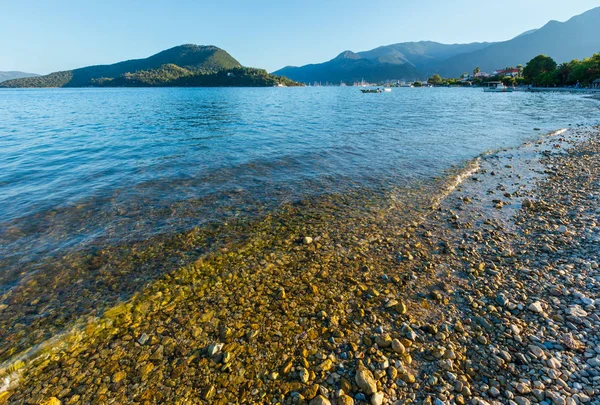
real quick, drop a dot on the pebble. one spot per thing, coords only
(377, 398)
(523, 388)
(143, 339)
(536, 307)
(553, 363)
(398, 347)
(119, 376)
(494, 392)
(320, 400)
(536, 351)
(304, 375)
(360, 397)
(52, 401)
(522, 401)
(576, 311)
(556, 398)
(594, 361)
(209, 393)
(365, 381)
(215, 348)
(345, 400)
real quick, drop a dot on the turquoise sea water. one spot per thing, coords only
(85, 169)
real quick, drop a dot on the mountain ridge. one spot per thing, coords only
(575, 38)
(404, 61)
(349, 67)
(183, 65)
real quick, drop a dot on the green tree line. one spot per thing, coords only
(540, 71)
(544, 71)
(174, 76)
(168, 75)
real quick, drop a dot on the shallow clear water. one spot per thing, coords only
(103, 190)
(126, 163)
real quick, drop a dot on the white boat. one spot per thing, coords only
(497, 87)
(387, 89)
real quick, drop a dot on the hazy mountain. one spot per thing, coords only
(576, 38)
(405, 61)
(351, 67)
(185, 65)
(15, 75)
(527, 33)
(422, 55)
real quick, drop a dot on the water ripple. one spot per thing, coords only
(82, 164)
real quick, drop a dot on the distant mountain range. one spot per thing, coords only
(185, 65)
(576, 38)
(407, 61)
(4, 76)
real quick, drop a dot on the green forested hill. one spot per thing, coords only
(174, 76)
(182, 65)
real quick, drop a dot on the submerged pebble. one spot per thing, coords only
(490, 308)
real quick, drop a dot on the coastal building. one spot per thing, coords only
(512, 72)
(482, 75)
(596, 84)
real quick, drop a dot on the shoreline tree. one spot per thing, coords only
(539, 71)
(435, 80)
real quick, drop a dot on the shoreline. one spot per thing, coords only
(419, 305)
(586, 90)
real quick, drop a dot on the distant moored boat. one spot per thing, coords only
(497, 87)
(370, 90)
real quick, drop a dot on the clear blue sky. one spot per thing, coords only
(43, 36)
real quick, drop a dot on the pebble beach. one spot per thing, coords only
(488, 295)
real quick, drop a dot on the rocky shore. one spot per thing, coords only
(488, 296)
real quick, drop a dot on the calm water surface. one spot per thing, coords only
(124, 163)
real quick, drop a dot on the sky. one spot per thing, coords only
(43, 36)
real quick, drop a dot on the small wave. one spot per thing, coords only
(474, 165)
(9, 377)
(558, 132)
(12, 369)
(455, 179)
